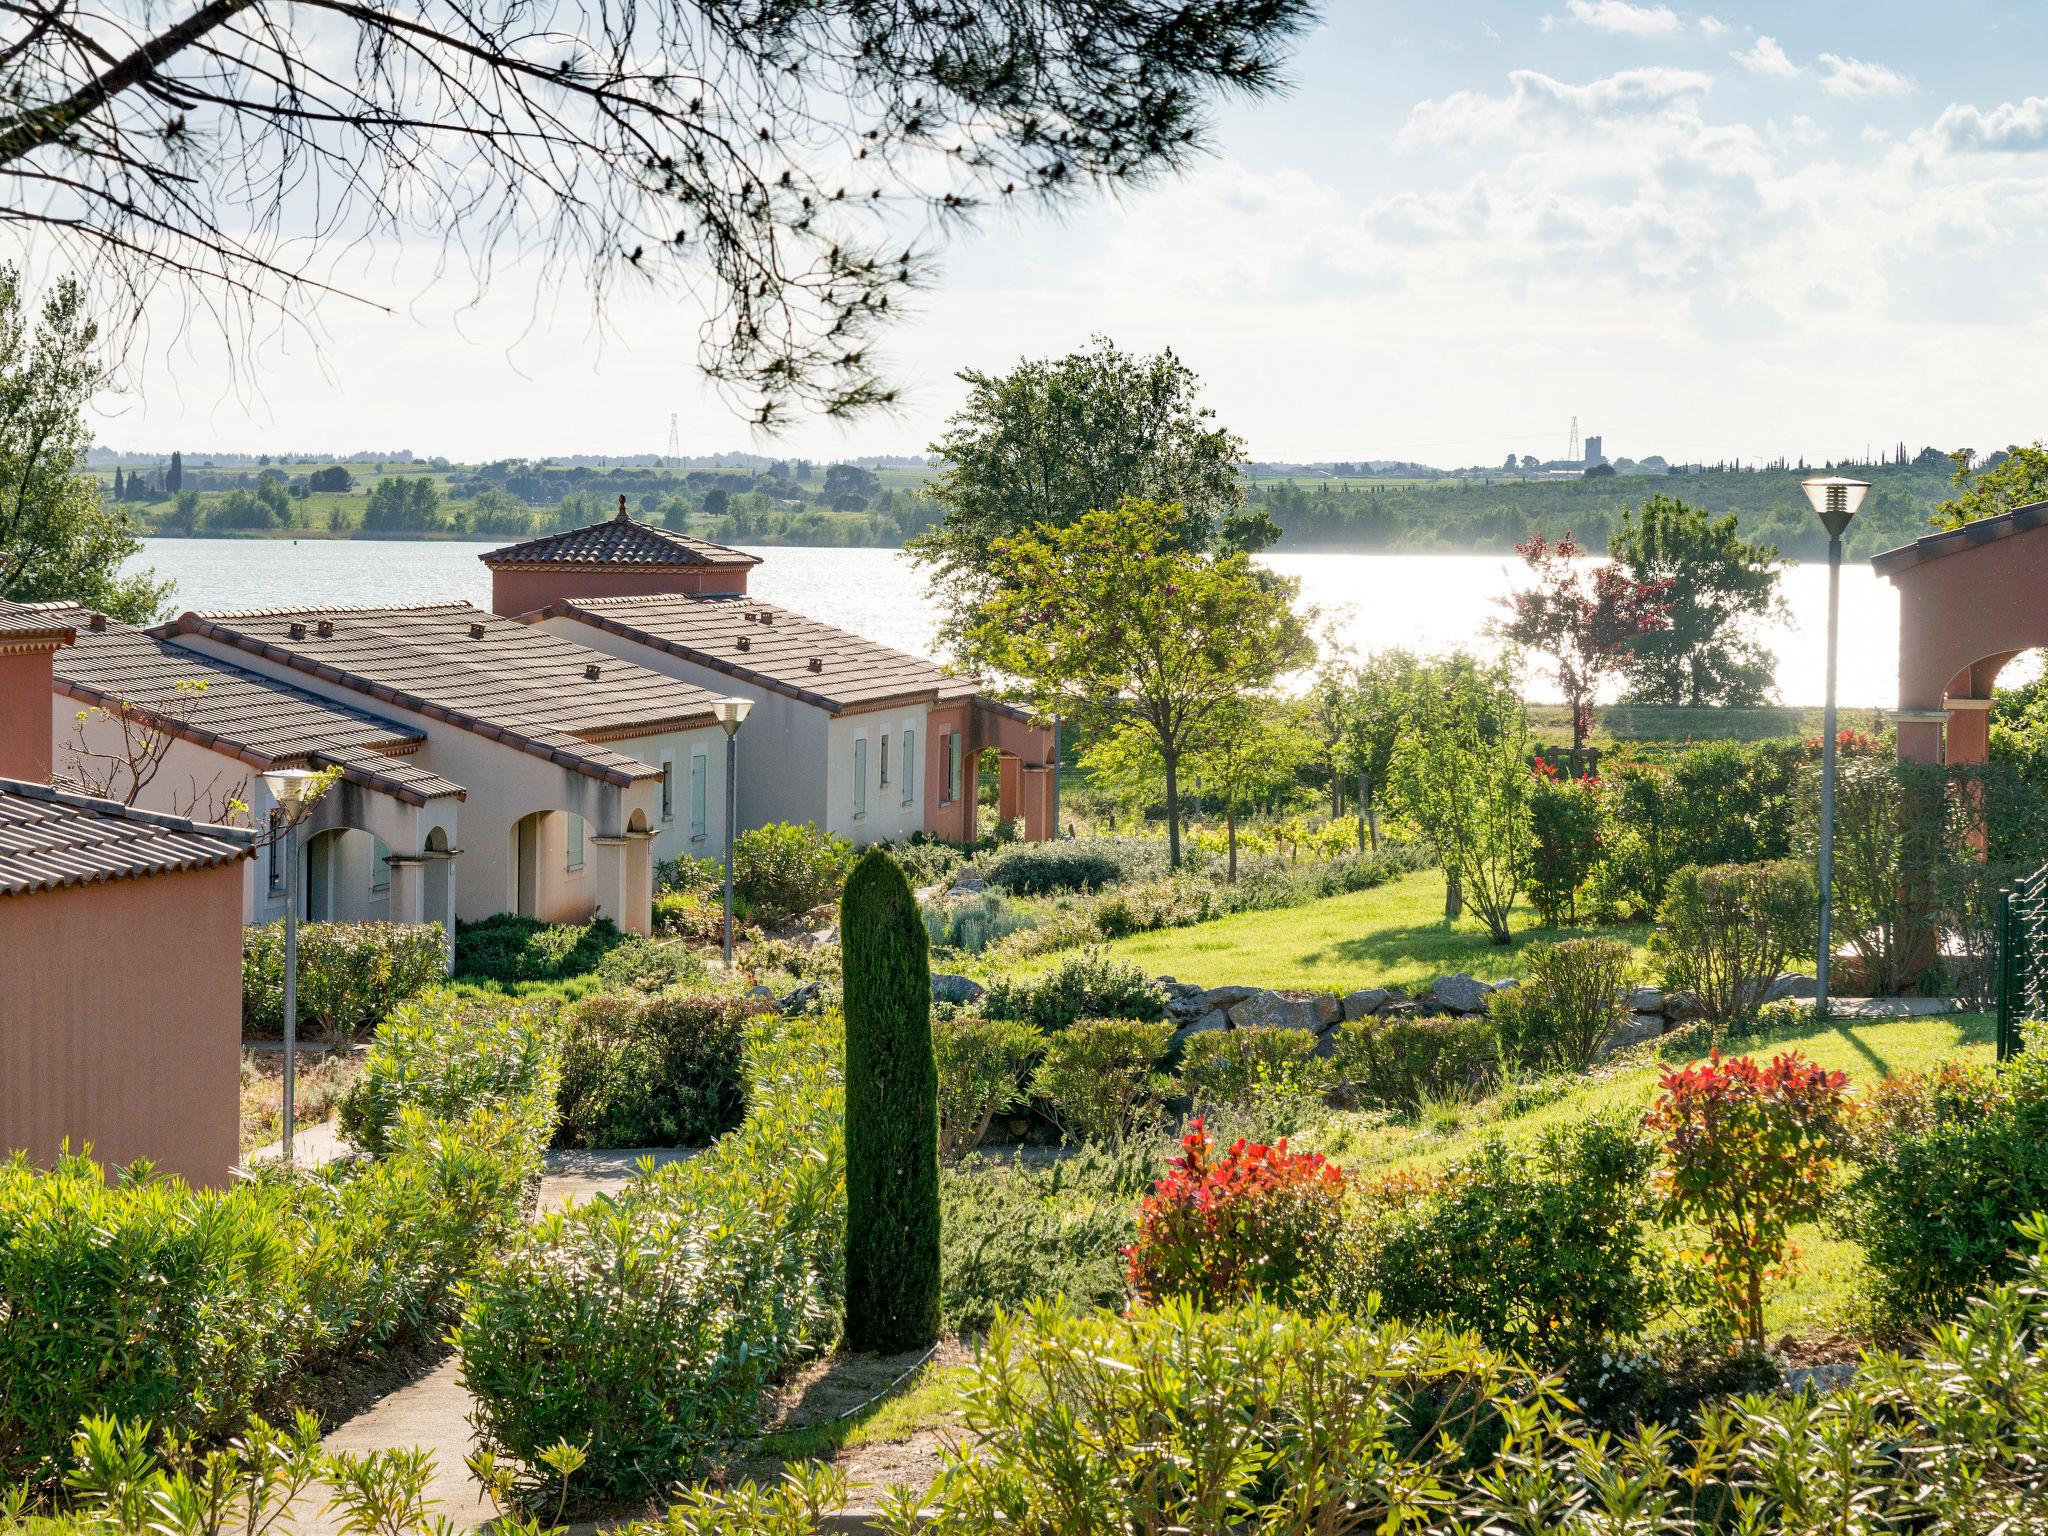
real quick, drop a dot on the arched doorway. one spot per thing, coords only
(347, 877)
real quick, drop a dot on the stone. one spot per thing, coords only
(1791, 985)
(800, 998)
(1214, 1019)
(949, 988)
(1370, 1000)
(1329, 1009)
(1282, 1010)
(1646, 1000)
(1640, 1027)
(967, 882)
(1227, 998)
(1460, 993)
(1681, 1006)
(761, 998)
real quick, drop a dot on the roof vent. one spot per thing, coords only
(593, 671)
(476, 631)
(743, 642)
(324, 629)
(99, 623)
(298, 631)
(767, 617)
(817, 664)
(753, 617)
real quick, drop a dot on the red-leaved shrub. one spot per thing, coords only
(1750, 1153)
(1256, 1219)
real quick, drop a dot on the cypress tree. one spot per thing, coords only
(892, 1114)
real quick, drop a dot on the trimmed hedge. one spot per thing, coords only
(350, 974)
(513, 949)
(141, 1297)
(646, 1328)
(660, 1071)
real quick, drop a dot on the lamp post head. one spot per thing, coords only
(1835, 498)
(287, 786)
(731, 713)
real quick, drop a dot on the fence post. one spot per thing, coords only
(2008, 973)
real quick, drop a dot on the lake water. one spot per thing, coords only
(1424, 602)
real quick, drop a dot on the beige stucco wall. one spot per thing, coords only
(887, 817)
(121, 1019)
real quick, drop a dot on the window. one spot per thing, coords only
(380, 866)
(668, 786)
(860, 776)
(700, 771)
(956, 751)
(909, 764)
(885, 760)
(276, 854)
(573, 835)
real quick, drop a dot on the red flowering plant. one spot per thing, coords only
(1254, 1219)
(1749, 1153)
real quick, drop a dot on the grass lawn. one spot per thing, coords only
(1395, 936)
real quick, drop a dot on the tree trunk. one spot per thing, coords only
(1454, 897)
(1230, 828)
(1172, 761)
(1371, 812)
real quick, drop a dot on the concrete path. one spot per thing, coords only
(433, 1412)
(314, 1146)
(1888, 1007)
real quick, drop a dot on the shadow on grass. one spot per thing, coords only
(1445, 942)
(1692, 1044)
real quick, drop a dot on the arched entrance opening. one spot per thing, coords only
(347, 877)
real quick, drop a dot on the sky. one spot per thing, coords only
(1734, 232)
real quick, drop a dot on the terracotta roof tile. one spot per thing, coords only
(454, 662)
(757, 642)
(32, 621)
(618, 541)
(51, 838)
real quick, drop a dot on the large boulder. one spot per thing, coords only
(967, 881)
(1214, 1019)
(1682, 1006)
(1638, 1028)
(1227, 998)
(1460, 993)
(1367, 1001)
(1791, 985)
(949, 988)
(1282, 1010)
(1646, 1000)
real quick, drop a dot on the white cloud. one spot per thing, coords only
(1534, 97)
(2012, 127)
(1766, 58)
(1711, 26)
(1859, 80)
(1620, 17)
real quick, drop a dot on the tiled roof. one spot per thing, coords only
(618, 540)
(399, 776)
(1985, 530)
(50, 838)
(479, 672)
(757, 642)
(31, 621)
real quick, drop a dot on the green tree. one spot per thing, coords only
(892, 1114)
(58, 539)
(174, 477)
(1056, 438)
(1361, 707)
(1114, 617)
(2016, 478)
(1715, 586)
(1461, 771)
(403, 505)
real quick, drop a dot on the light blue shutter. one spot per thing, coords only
(954, 746)
(860, 775)
(699, 771)
(909, 765)
(575, 841)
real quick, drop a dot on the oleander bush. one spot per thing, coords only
(509, 949)
(926, 860)
(132, 1295)
(1090, 985)
(1073, 864)
(1551, 1253)
(1725, 932)
(1943, 1163)
(1236, 1066)
(1401, 1063)
(1571, 999)
(350, 974)
(649, 965)
(693, 916)
(645, 1328)
(1100, 1080)
(984, 1065)
(1564, 835)
(665, 1070)
(1229, 1223)
(785, 869)
(446, 1055)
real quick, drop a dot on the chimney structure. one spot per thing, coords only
(619, 557)
(29, 638)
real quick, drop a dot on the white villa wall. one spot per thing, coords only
(886, 816)
(674, 837)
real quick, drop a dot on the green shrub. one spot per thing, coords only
(350, 974)
(1074, 864)
(685, 876)
(514, 949)
(1552, 1254)
(647, 965)
(983, 1065)
(892, 1114)
(1400, 1063)
(1564, 829)
(1100, 1078)
(1945, 1163)
(1736, 802)
(927, 861)
(646, 1328)
(974, 924)
(1571, 999)
(445, 1056)
(785, 869)
(1234, 1066)
(659, 1071)
(1726, 931)
(1015, 1231)
(1090, 985)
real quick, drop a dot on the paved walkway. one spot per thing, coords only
(433, 1412)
